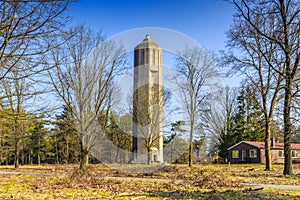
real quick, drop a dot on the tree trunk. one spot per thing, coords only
(191, 143)
(148, 157)
(67, 150)
(7, 156)
(30, 157)
(287, 128)
(84, 157)
(267, 145)
(172, 147)
(16, 158)
(1, 157)
(39, 152)
(118, 156)
(56, 151)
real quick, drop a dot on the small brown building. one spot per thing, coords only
(254, 152)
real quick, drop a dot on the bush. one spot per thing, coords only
(184, 159)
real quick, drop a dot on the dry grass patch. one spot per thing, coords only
(145, 181)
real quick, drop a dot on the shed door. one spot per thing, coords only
(243, 155)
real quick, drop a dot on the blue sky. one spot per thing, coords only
(206, 21)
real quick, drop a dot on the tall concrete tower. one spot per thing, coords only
(147, 146)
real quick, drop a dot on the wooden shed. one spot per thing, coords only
(254, 152)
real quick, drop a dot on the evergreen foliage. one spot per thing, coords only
(246, 124)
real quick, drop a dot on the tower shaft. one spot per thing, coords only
(147, 144)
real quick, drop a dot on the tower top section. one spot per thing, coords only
(147, 43)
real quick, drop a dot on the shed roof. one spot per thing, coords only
(261, 145)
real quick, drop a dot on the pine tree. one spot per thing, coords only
(245, 125)
(248, 121)
(117, 132)
(65, 139)
(37, 145)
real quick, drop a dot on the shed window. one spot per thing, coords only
(253, 153)
(235, 154)
(280, 153)
(294, 153)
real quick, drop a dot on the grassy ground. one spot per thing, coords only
(146, 182)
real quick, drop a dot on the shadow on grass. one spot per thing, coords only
(214, 194)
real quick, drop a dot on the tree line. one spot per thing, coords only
(41, 53)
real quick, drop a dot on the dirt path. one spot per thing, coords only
(278, 187)
(30, 174)
(145, 179)
(271, 186)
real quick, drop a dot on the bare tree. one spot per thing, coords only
(25, 31)
(176, 129)
(259, 58)
(148, 104)
(20, 93)
(151, 114)
(195, 68)
(86, 68)
(295, 108)
(14, 94)
(276, 24)
(219, 119)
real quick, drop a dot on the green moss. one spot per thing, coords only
(287, 193)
